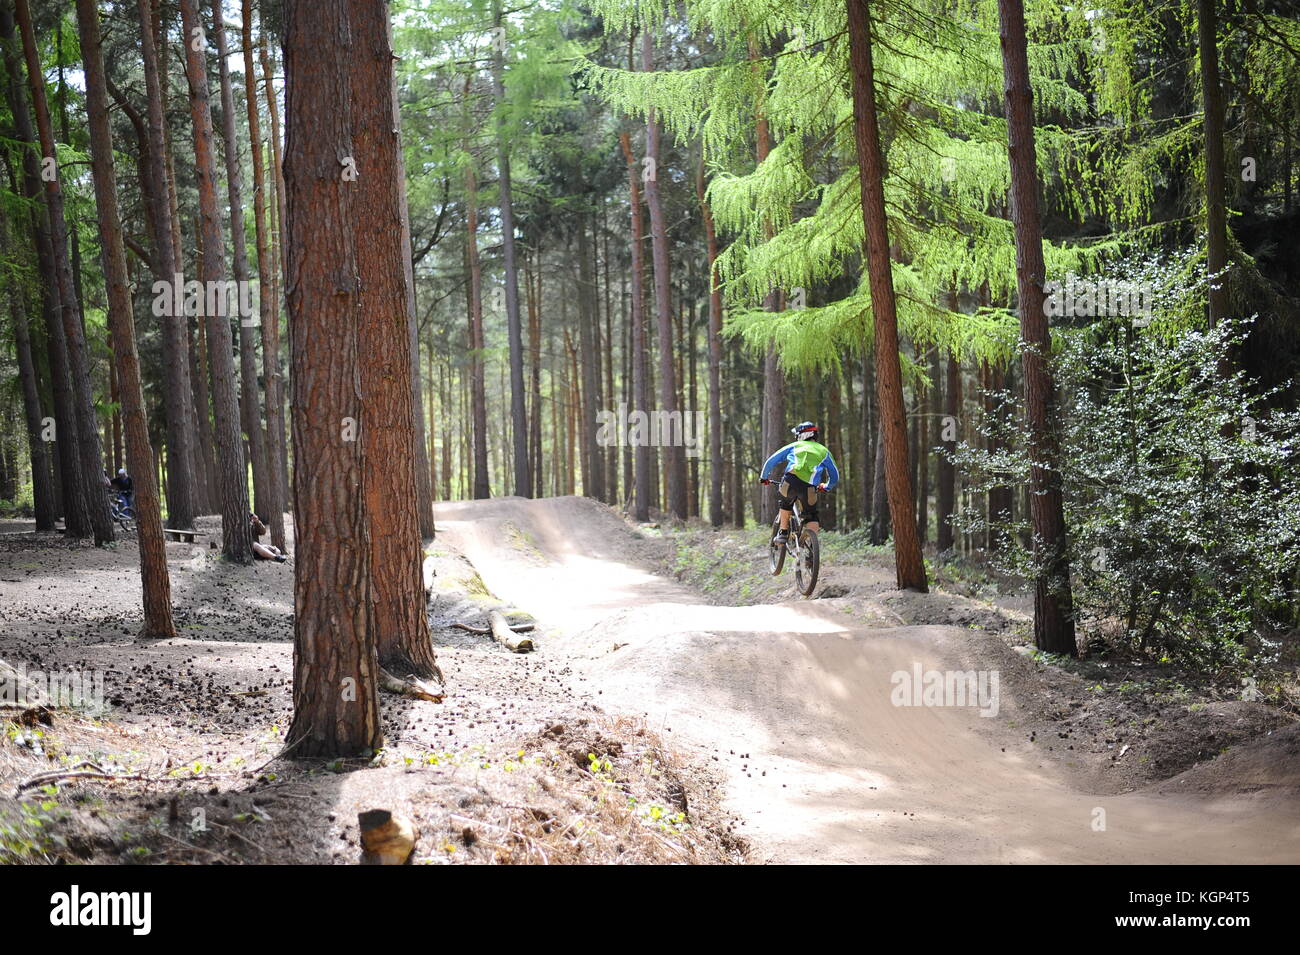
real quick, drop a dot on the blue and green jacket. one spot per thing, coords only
(809, 461)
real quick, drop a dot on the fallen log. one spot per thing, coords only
(504, 634)
(484, 631)
(416, 689)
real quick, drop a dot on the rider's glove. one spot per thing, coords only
(822, 486)
(764, 481)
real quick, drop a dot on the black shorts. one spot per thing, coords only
(797, 489)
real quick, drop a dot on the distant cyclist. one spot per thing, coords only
(125, 487)
(808, 465)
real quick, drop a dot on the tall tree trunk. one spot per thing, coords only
(948, 434)
(336, 710)
(1053, 602)
(268, 300)
(86, 435)
(593, 466)
(478, 388)
(773, 433)
(715, 354)
(1216, 218)
(280, 260)
(181, 503)
(398, 623)
(673, 456)
(518, 416)
(42, 481)
(640, 393)
(236, 532)
(154, 579)
(69, 493)
(909, 567)
(249, 400)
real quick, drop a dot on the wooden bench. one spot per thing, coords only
(181, 535)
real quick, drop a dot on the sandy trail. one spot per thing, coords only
(795, 706)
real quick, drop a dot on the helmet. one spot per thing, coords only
(805, 430)
(121, 472)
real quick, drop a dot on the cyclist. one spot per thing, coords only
(124, 486)
(808, 465)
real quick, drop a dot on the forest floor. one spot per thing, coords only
(729, 721)
(516, 765)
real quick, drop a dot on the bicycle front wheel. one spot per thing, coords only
(808, 566)
(775, 551)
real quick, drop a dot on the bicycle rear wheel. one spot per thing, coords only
(775, 551)
(808, 566)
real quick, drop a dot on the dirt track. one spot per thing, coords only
(795, 705)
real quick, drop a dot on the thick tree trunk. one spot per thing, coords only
(236, 532)
(86, 434)
(155, 582)
(398, 623)
(179, 409)
(673, 455)
(1216, 218)
(249, 400)
(335, 674)
(1053, 603)
(268, 301)
(909, 567)
(640, 393)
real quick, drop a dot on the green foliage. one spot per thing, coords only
(1182, 490)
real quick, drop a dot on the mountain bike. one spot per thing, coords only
(802, 545)
(121, 511)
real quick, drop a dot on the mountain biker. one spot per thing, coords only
(808, 465)
(125, 486)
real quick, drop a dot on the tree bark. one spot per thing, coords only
(398, 622)
(155, 582)
(909, 567)
(1053, 602)
(86, 435)
(236, 532)
(335, 674)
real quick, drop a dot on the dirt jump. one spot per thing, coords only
(797, 704)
